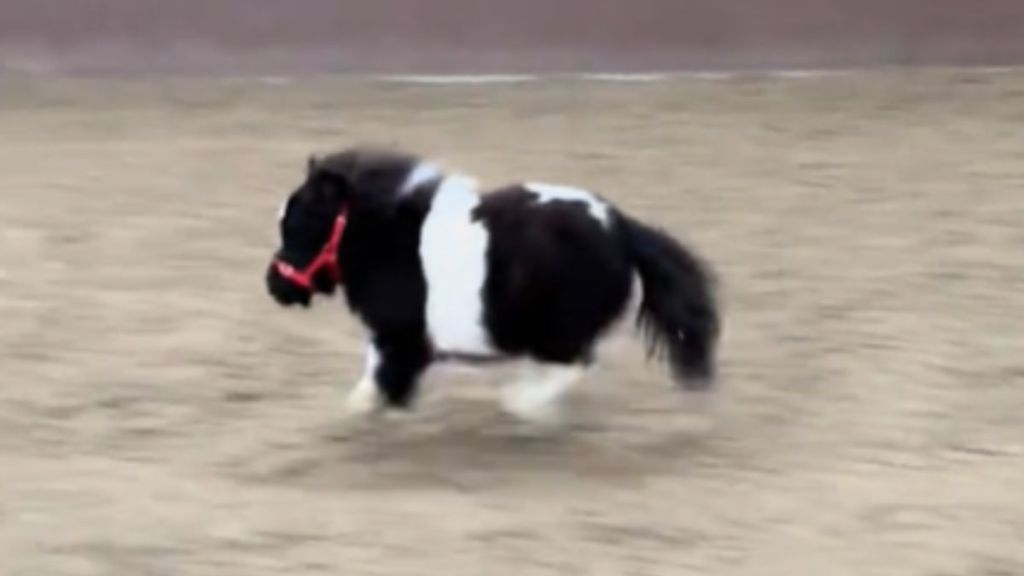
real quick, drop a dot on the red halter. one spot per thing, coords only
(328, 257)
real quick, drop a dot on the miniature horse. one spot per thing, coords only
(436, 270)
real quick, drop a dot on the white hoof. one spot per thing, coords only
(532, 408)
(537, 396)
(363, 400)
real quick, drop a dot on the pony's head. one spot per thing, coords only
(314, 217)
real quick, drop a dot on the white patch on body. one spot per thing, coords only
(365, 397)
(423, 172)
(453, 251)
(536, 395)
(554, 192)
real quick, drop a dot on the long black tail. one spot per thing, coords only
(678, 314)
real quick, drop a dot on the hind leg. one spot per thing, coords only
(537, 394)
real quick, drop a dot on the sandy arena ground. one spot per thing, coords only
(159, 415)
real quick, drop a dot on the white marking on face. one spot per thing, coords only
(423, 172)
(536, 395)
(365, 397)
(554, 192)
(282, 210)
(453, 251)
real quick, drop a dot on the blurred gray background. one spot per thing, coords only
(472, 36)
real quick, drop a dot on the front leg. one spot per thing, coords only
(391, 374)
(364, 397)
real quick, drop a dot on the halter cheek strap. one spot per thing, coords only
(327, 258)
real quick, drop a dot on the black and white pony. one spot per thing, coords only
(438, 271)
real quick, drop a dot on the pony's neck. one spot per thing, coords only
(422, 173)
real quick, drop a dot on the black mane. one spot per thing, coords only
(368, 170)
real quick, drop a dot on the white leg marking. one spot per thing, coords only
(597, 208)
(453, 250)
(537, 394)
(364, 397)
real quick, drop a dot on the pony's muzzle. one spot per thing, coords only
(284, 291)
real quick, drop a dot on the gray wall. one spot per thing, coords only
(449, 36)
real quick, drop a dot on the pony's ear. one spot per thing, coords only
(329, 185)
(324, 184)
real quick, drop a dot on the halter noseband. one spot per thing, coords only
(328, 257)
